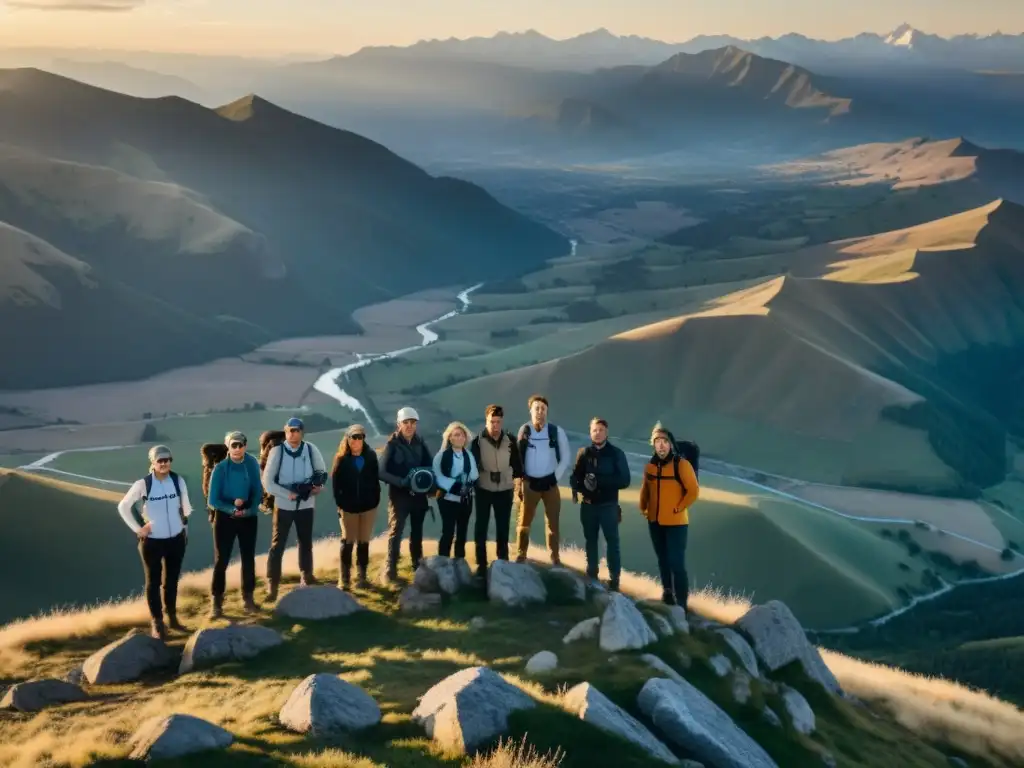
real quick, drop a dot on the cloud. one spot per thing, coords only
(75, 5)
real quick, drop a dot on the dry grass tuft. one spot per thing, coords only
(522, 755)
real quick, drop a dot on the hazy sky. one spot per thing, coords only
(340, 26)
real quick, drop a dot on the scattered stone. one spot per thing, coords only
(653, 661)
(35, 695)
(779, 639)
(623, 626)
(592, 706)
(695, 723)
(677, 615)
(662, 626)
(743, 650)
(164, 737)
(234, 643)
(469, 708)
(426, 580)
(720, 664)
(324, 703)
(769, 716)
(702, 622)
(585, 630)
(800, 712)
(829, 761)
(315, 603)
(684, 659)
(741, 692)
(601, 596)
(514, 584)
(446, 575)
(127, 659)
(574, 585)
(542, 662)
(76, 676)
(412, 600)
(477, 623)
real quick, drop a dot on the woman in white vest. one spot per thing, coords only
(455, 472)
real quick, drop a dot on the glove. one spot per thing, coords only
(456, 489)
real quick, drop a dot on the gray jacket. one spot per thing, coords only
(294, 469)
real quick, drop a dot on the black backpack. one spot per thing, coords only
(213, 454)
(688, 450)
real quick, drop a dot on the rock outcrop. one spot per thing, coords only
(316, 603)
(779, 640)
(571, 586)
(692, 721)
(514, 584)
(542, 662)
(126, 660)
(592, 706)
(742, 649)
(172, 736)
(235, 643)
(585, 630)
(35, 695)
(800, 712)
(324, 703)
(623, 627)
(469, 708)
(414, 600)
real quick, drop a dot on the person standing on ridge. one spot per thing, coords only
(600, 472)
(501, 469)
(235, 493)
(404, 453)
(670, 487)
(455, 471)
(295, 474)
(162, 530)
(356, 485)
(545, 452)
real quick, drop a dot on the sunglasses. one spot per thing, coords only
(237, 445)
(357, 437)
(164, 461)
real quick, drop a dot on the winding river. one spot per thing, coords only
(328, 383)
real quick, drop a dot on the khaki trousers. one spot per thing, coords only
(528, 509)
(356, 528)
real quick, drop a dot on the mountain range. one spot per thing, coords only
(218, 230)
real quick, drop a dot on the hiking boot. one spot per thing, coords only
(556, 561)
(613, 585)
(361, 581)
(272, 592)
(668, 598)
(249, 605)
(308, 580)
(521, 558)
(216, 607)
(345, 579)
(173, 623)
(157, 630)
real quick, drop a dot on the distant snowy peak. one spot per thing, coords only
(904, 36)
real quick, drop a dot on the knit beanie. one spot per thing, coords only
(660, 431)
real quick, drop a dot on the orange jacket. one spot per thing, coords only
(662, 499)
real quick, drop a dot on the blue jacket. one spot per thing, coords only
(230, 481)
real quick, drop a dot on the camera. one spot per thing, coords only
(590, 481)
(305, 489)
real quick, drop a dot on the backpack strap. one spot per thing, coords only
(181, 501)
(553, 441)
(139, 517)
(676, 458)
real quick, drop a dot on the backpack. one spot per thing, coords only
(149, 489)
(691, 452)
(213, 454)
(268, 441)
(524, 441)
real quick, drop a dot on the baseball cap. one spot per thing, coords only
(235, 437)
(294, 422)
(407, 413)
(355, 429)
(159, 452)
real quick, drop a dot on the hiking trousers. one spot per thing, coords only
(552, 500)
(161, 562)
(597, 519)
(501, 502)
(670, 548)
(454, 524)
(283, 519)
(397, 515)
(227, 528)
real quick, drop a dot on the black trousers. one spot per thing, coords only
(670, 548)
(415, 512)
(454, 524)
(283, 519)
(161, 562)
(225, 530)
(501, 502)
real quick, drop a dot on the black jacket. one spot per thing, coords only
(401, 457)
(611, 468)
(356, 490)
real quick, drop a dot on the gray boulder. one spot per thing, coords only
(315, 603)
(35, 695)
(742, 649)
(623, 627)
(570, 582)
(800, 712)
(75, 676)
(477, 623)
(234, 643)
(779, 640)
(415, 600)
(469, 708)
(677, 615)
(720, 664)
(514, 584)
(741, 692)
(592, 706)
(464, 572)
(662, 626)
(585, 630)
(442, 575)
(164, 737)
(542, 662)
(769, 716)
(324, 703)
(127, 659)
(695, 723)
(663, 669)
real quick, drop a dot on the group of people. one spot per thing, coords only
(489, 472)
